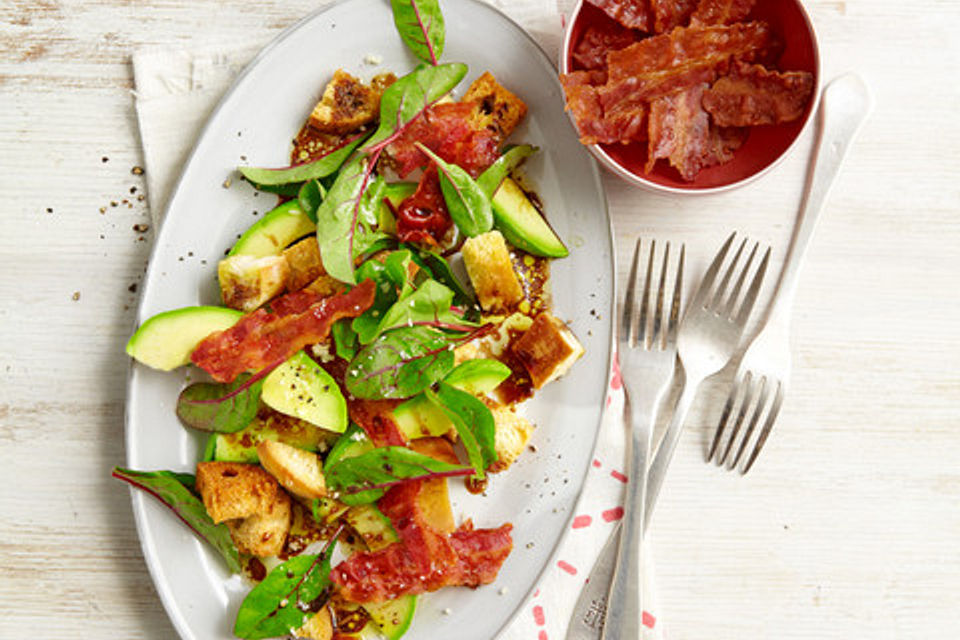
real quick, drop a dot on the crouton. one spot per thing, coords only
(297, 470)
(347, 104)
(492, 345)
(247, 282)
(547, 350)
(497, 109)
(304, 264)
(488, 264)
(512, 434)
(434, 496)
(263, 534)
(326, 286)
(232, 490)
(319, 627)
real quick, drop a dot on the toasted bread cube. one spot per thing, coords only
(247, 282)
(297, 470)
(325, 286)
(512, 434)
(434, 496)
(232, 490)
(347, 104)
(304, 264)
(487, 260)
(263, 534)
(319, 627)
(497, 108)
(548, 349)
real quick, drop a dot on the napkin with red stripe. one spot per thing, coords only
(176, 89)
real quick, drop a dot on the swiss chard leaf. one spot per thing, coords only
(319, 168)
(346, 219)
(491, 179)
(392, 283)
(289, 596)
(480, 375)
(344, 339)
(420, 24)
(468, 205)
(365, 478)
(175, 491)
(409, 97)
(220, 408)
(473, 421)
(310, 197)
(283, 190)
(400, 363)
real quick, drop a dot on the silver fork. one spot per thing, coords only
(763, 374)
(648, 354)
(708, 338)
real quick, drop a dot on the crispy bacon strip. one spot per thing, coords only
(591, 51)
(375, 417)
(685, 57)
(721, 11)
(262, 338)
(668, 14)
(680, 131)
(595, 124)
(752, 95)
(423, 560)
(447, 130)
(635, 14)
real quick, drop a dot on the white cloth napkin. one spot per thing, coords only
(176, 89)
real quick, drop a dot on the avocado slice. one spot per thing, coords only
(241, 446)
(420, 418)
(522, 225)
(277, 229)
(370, 523)
(302, 388)
(393, 616)
(166, 340)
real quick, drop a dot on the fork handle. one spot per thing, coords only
(668, 445)
(624, 617)
(843, 108)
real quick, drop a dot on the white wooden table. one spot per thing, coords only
(847, 528)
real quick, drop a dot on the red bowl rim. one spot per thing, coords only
(637, 180)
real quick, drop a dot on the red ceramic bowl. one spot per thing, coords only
(765, 146)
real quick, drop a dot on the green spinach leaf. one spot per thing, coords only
(365, 478)
(473, 421)
(310, 197)
(428, 305)
(218, 407)
(400, 363)
(469, 207)
(420, 25)
(175, 490)
(289, 596)
(441, 271)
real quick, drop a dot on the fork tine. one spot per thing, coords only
(735, 294)
(645, 339)
(768, 425)
(757, 412)
(751, 297)
(630, 302)
(675, 305)
(706, 283)
(722, 287)
(657, 340)
(725, 416)
(748, 381)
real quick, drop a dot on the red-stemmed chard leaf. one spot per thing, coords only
(365, 478)
(218, 407)
(173, 490)
(468, 205)
(420, 25)
(288, 597)
(320, 168)
(473, 421)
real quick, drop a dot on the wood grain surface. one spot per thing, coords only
(847, 528)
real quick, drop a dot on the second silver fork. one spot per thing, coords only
(648, 353)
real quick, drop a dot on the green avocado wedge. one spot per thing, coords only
(166, 340)
(393, 616)
(522, 225)
(303, 389)
(277, 229)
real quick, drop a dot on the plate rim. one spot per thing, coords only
(138, 499)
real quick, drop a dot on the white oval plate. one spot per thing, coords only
(257, 119)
